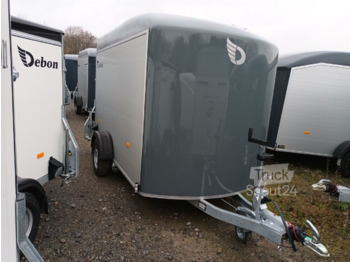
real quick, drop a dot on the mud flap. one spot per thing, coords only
(55, 168)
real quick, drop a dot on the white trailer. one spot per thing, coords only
(311, 110)
(13, 206)
(45, 145)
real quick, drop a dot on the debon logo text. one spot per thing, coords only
(28, 60)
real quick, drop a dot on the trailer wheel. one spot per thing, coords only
(242, 234)
(101, 167)
(345, 165)
(32, 216)
(78, 105)
(77, 110)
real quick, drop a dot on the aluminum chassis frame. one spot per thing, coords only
(257, 218)
(263, 222)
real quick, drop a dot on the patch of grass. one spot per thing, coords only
(341, 206)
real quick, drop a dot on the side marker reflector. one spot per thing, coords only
(40, 155)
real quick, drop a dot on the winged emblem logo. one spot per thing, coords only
(23, 54)
(232, 50)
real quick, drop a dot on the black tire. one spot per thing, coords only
(32, 216)
(345, 165)
(78, 105)
(78, 110)
(242, 234)
(101, 167)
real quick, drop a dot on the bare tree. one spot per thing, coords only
(76, 39)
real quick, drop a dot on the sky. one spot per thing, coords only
(293, 26)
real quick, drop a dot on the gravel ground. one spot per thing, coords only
(102, 219)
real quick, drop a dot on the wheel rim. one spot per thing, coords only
(29, 221)
(96, 158)
(240, 233)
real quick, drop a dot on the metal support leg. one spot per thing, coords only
(72, 152)
(89, 125)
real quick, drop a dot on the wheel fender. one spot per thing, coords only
(106, 144)
(342, 149)
(27, 185)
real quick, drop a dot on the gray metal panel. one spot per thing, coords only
(144, 22)
(35, 38)
(317, 100)
(199, 107)
(120, 101)
(300, 59)
(36, 29)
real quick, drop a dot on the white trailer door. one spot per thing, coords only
(120, 101)
(38, 101)
(316, 111)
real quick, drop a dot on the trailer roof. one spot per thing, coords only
(307, 58)
(71, 57)
(150, 21)
(89, 52)
(36, 29)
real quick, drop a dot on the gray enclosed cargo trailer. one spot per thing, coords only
(71, 68)
(182, 110)
(179, 109)
(85, 92)
(311, 110)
